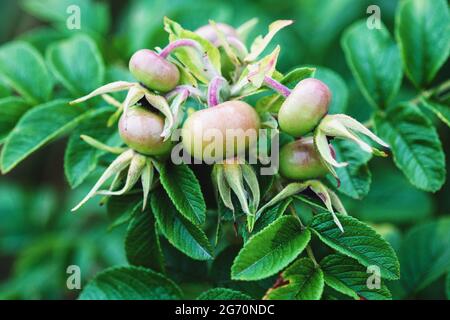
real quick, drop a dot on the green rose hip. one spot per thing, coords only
(141, 130)
(305, 106)
(220, 132)
(154, 71)
(299, 160)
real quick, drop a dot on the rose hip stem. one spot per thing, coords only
(208, 66)
(215, 87)
(192, 91)
(277, 86)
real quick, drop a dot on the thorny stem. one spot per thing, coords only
(208, 66)
(277, 86)
(216, 85)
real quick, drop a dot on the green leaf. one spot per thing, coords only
(415, 145)
(94, 15)
(142, 245)
(23, 68)
(374, 60)
(130, 283)
(180, 232)
(358, 241)
(122, 209)
(337, 87)
(355, 178)
(425, 255)
(81, 159)
(11, 110)
(347, 276)
(270, 250)
(37, 127)
(424, 42)
(223, 294)
(440, 110)
(305, 282)
(184, 190)
(77, 64)
(267, 217)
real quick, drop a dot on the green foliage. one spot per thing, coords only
(358, 241)
(223, 294)
(38, 126)
(348, 277)
(130, 283)
(305, 279)
(355, 178)
(424, 255)
(30, 77)
(184, 190)
(64, 57)
(270, 250)
(180, 232)
(375, 62)
(11, 110)
(80, 159)
(415, 144)
(422, 29)
(142, 245)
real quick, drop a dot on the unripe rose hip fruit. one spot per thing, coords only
(210, 34)
(153, 71)
(303, 109)
(232, 123)
(141, 130)
(299, 160)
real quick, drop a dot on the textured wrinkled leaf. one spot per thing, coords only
(121, 209)
(305, 282)
(267, 217)
(223, 294)
(374, 60)
(11, 110)
(77, 64)
(358, 241)
(355, 178)
(23, 68)
(142, 245)
(425, 255)
(184, 190)
(347, 276)
(181, 233)
(81, 159)
(37, 127)
(441, 110)
(415, 144)
(130, 283)
(423, 33)
(270, 250)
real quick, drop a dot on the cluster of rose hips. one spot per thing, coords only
(155, 107)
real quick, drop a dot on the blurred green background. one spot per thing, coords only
(40, 238)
